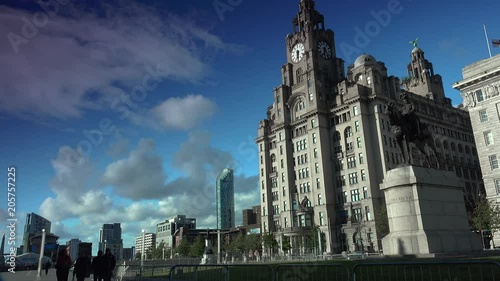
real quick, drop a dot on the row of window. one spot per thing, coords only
(355, 195)
(356, 215)
(353, 178)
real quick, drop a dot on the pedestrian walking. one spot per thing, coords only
(109, 262)
(63, 265)
(82, 268)
(98, 266)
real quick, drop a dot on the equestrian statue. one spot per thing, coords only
(407, 128)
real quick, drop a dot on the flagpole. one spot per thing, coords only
(487, 41)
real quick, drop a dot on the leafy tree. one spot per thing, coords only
(252, 242)
(197, 248)
(269, 242)
(183, 248)
(381, 220)
(285, 244)
(157, 251)
(486, 216)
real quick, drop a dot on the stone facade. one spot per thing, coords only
(426, 212)
(480, 89)
(325, 145)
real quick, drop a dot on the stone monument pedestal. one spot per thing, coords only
(426, 212)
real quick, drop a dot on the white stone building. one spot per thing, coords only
(325, 145)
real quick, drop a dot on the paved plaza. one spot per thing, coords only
(30, 275)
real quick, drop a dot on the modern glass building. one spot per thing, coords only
(225, 199)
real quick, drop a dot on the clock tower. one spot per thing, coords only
(296, 182)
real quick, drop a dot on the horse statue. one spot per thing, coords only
(407, 128)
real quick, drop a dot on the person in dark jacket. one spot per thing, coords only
(63, 265)
(82, 268)
(109, 262)
(98, 266)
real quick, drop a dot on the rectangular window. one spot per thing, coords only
(483, 115)
(356, 126)
(313, 123)
(320, 200)
(281, 136)
(385, 140)
(262, 184)
(261, 160)
(355, 195)
(357, 215)
(311, 95)
(342, 197)
(344, 215)
(479, 96)
(367, 213)
(263, 197)
(488, 138)
(363, 175)
(353, 178)
(358, 140)
(355, 110)
(315, 153)
(361, 159)
(497, 185)
(264, 212)
(351, 162)
(321, 218)
(317, 183)
(260, 147)
(316, 167)
(284, 191)
(314, 137)
(493, 162)
(365, 192)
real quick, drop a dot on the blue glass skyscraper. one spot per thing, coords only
(225, 199)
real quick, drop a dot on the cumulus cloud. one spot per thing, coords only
(178, 113)
(68, 65)
(140, 176)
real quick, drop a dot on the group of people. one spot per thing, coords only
(101, 266)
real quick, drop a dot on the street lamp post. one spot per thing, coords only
(142, 250)
(40, 260)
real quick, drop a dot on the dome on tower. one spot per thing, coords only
(364, 59)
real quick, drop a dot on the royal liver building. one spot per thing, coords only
(326, 143)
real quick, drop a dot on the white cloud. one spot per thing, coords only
(140, 176)
(63, 70)
(178, 113)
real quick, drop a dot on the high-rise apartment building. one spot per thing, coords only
(110, 236)
(480, 89)
(34, 225)
(149, 242)
(326, 143)
(225, 199)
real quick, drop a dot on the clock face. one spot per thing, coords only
(298, 52)
(324, 50)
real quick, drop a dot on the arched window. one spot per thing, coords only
(348, 132)
(445, 144)
(467, 149)
(299, 75)
(460, 148)
(336, 136)
(437, 143)
(453, 147)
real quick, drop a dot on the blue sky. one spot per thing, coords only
(200, 75)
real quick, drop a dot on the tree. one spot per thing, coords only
(381, 221)
(183, 248)
(285, 243)
(269, 242)
(486, 216)
(197, 248)
(252, 242)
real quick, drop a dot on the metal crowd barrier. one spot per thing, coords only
(445, 270)
(317, 272)
(241, 272)
(466, 270)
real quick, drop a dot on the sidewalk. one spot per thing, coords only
(30, 275)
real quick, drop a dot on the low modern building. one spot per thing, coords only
(34, 225)
(480, 90)
(165, 230)
(251, 220)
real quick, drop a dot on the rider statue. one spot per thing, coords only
(408, 112)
